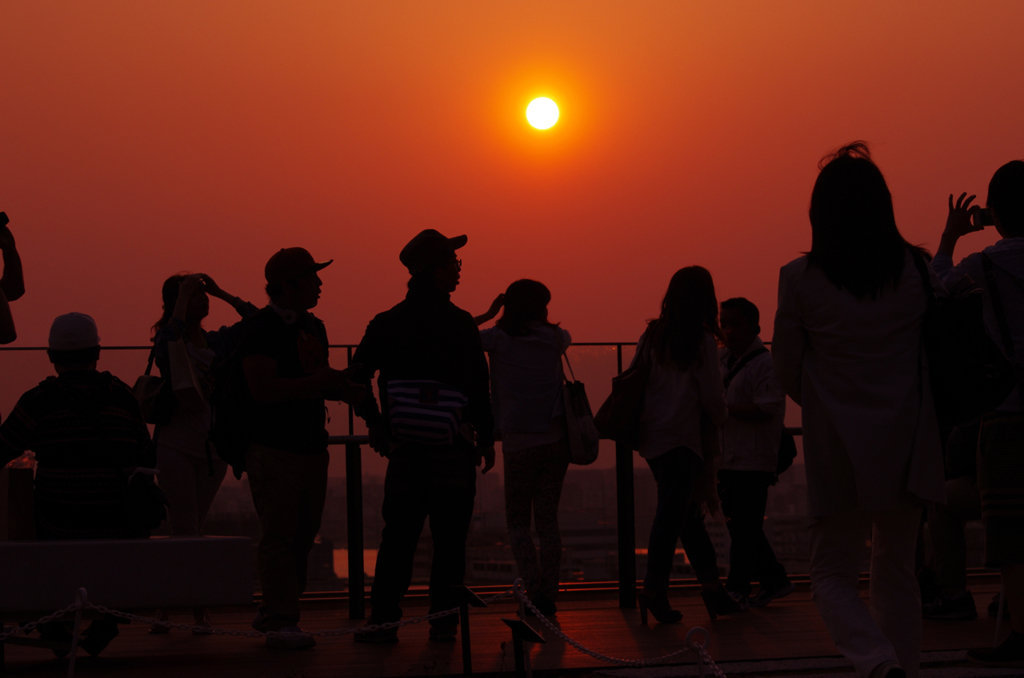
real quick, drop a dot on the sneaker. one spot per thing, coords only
(1009, 654)
(203, 621)
(158, 628)
(719, 601)
(296, 639)
(993, 608)
(259, 620)
(766, 595)
(380, 636)
(440, 634)
(741, 600)
(960, 606)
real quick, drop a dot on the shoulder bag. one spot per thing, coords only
(584, 439)
(154, 395)
(619, 416)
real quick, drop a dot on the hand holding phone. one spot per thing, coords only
(982, 217)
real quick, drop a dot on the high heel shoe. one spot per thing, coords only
(660, 608)
(720, 601)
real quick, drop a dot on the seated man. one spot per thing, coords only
(88, 436)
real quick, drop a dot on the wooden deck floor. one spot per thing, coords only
(789, 628)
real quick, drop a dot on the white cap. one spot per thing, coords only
(73, 331)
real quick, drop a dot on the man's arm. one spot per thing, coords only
(266, 386)
(768, 398)
(16, 434)
(788, 339)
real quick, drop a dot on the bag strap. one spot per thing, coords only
(997, 305)
(569, 365)
(926, 279)
(740, 364)
(152, 357)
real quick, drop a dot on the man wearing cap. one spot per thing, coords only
(284, 356)
(432, 367)
(88, 435)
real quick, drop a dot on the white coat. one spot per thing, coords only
(857, 369)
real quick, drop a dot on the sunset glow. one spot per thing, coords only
(542, 113)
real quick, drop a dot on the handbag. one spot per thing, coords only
(619, 416)
(584, 439)
(424, 411)
(970, 376)
(156, 400)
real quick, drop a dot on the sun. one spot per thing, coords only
(542, 113)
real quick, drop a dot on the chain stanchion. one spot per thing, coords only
(524, 603)
(81, 600)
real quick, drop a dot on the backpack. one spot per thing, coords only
(229, 413)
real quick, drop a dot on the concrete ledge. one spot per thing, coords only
(126, 573)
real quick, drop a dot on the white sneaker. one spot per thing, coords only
(290, 638)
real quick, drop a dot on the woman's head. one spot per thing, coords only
(854, 238)
(688, 310)
(198, 305)
(526, 301)
(1006, 198)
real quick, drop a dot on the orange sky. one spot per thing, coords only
(140, 139)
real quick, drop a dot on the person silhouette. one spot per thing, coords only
(433, 385)
(526, 386)
(684, 387)
(847, 348)
(999, 270)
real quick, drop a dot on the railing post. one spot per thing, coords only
(627, 525)
(354, 498)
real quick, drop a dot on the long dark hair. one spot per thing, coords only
(169, 294)
(688, 310)
(854, 238)
(526, 301)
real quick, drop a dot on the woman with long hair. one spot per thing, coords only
(525, 352)
(847, 348)
(190, 470)
(684, 387)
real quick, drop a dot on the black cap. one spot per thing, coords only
(428, 249)
(291, 263)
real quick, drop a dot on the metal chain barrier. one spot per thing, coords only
(9, 631)
(691, 646)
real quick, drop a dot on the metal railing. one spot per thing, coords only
(353, 444)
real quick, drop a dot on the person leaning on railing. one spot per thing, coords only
(1000, 471)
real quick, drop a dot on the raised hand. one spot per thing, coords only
(959, 222)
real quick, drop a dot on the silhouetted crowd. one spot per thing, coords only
(905, 368)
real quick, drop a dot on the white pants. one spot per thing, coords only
(189, 488)
(889, 634)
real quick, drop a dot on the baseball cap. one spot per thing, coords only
(429, 248)
(291, 263)
(73, 332)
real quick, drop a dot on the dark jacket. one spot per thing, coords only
(427, 337)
